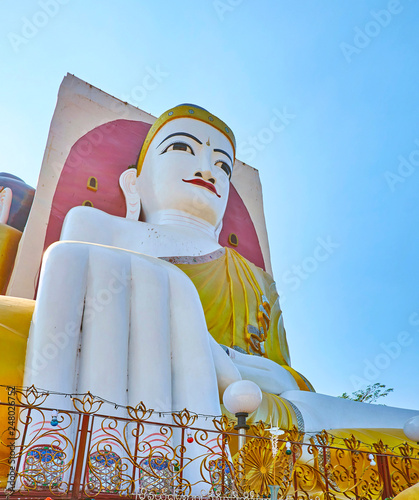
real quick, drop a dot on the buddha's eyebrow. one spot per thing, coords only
(222, 151)
(181, 133)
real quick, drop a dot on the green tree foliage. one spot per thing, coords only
(370, 394)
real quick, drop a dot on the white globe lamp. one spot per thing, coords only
(411, 428)
(241, 398)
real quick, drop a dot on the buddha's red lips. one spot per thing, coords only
(205, 184)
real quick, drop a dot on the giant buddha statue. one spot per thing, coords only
(183, 311)
(183, 317)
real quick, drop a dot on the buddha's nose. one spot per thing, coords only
(206, 175)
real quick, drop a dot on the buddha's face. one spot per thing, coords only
(187, 167)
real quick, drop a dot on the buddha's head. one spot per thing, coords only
(185, 165)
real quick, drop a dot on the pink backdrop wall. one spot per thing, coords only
(105, 152)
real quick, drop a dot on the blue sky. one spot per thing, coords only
(340, 179)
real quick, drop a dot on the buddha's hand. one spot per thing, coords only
(5, 203)
(267, 374)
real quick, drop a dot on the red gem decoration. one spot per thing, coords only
(190, 439)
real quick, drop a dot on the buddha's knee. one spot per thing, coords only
(15, 319)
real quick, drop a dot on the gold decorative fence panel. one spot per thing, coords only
(89, 448)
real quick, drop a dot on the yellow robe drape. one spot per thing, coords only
(232, 290)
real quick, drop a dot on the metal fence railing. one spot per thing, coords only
(82, 447)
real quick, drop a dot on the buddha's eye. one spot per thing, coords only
(224, 166)
(179, 146)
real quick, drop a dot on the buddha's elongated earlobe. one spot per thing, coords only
(127, 181)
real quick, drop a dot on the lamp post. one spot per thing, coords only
(275, 431)
(241, 398)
